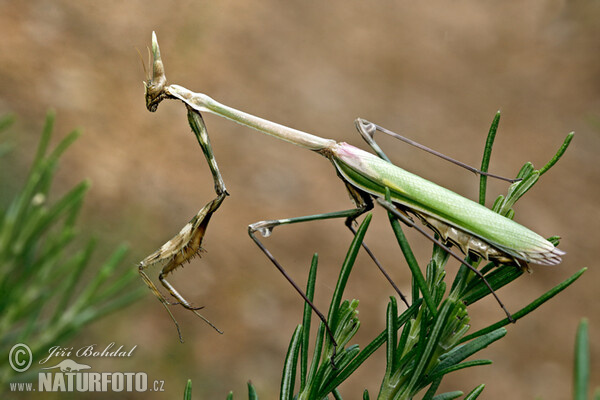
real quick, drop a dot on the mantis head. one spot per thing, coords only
(156, 81)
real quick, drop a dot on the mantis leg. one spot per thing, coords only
(266, 228)
(367, 131)
(159, 296)
(378, 264)
(199, 129)
(402, 216)
(181, 248)
(364, 202)
(187, 243)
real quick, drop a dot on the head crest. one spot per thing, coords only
(156, 81)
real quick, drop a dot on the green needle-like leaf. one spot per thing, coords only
(187, 393)
(428, 345)
(529, 308)
(440, 373)
(582, 363)
(448, 395)
(497, 279)
(41, 273)
(346, 269)
(474, 394)
(252, 392)
(371, 348)
(516, 191)
(418, 277)
(487, 154)
(306, 321)
(289, 368)
(314, 366)
(392, 335)
(432, 389)
(558, 155)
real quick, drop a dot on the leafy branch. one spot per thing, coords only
(45, 298)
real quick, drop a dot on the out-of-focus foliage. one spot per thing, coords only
(44, 298)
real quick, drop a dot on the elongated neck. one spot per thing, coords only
(203, 103)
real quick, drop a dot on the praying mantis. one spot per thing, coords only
(370, 179)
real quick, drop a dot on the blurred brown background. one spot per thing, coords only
(435, 71)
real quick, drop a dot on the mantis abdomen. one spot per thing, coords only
(464, 222)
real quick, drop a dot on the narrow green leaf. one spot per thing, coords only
(324, 368)
(401, 348)
(346, 269)
(428, 344)
(314, 365)
(372, 347)
(555, 240)
(288, 377)
(558, 155)
(119, 286)
(35, 228)
(187, 393)
(525, 170)
(109, 307)
(474, 394)
(510, 214)
(329, 374)
(498, 203)
(465, 275)
(449, 395)
(106, 271)
(582, 362)
(487, 154)
(366, 395)
(392, 335)
(33, 324)
(440, 373)
(529, 308)
(432, 389)
(306, 321)
(64, 145)
(20, 206)
(497, 279)
(348, 323)
(44, 140)
(516, 191)
(418, 277)
(487, 268)
(72, 280)
(252, 395)
(460, 353)
(436, 273)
